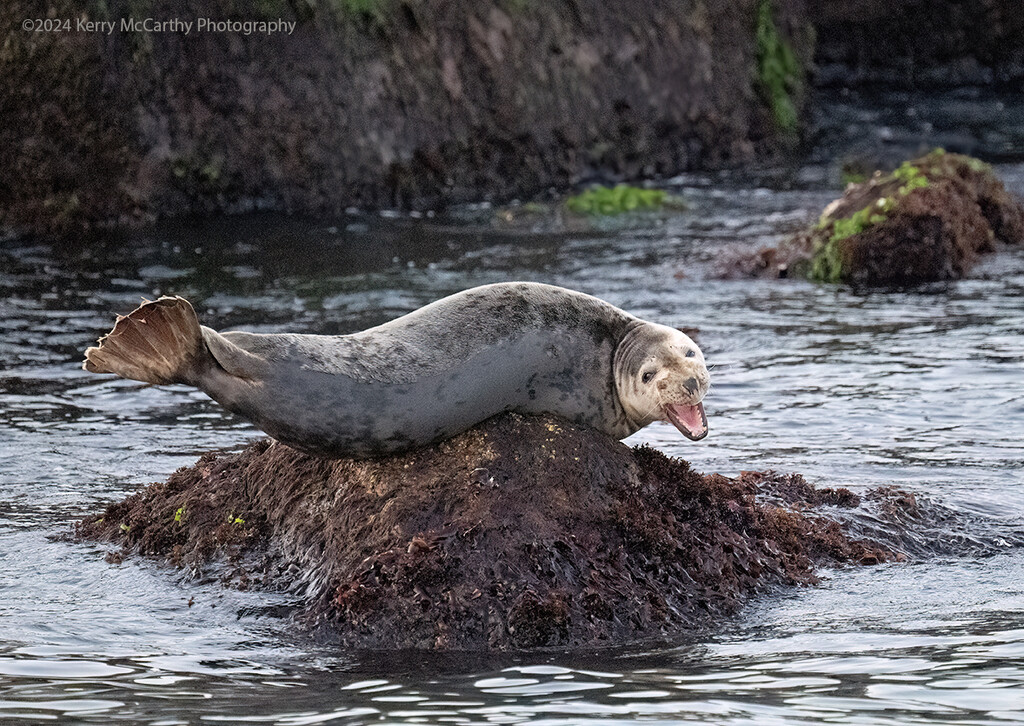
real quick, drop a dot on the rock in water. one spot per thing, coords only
(929, 220)
(521, 532)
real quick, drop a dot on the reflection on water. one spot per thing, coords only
(919, 388)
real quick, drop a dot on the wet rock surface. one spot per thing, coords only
(488, 101)
(929, 220)
(520, 533)
(406, 105)
(916, 43)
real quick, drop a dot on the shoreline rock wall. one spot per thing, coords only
(386, 103)
(415, 105)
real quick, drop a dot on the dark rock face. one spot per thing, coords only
(414, 105)
(520, 533)
(927, 221)
(915, 43)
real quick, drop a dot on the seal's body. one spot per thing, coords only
(428, 375)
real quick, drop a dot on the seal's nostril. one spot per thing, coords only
(691, 385)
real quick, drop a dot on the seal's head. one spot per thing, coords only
(660, 375)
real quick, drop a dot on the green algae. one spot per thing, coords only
(852, 177)
(779, 78)
(827, 264)
(912, 178)
(602, 200)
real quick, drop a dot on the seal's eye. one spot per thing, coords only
(646, 377)
(690, 353)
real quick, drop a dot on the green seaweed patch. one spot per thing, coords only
(861, 219)
(912, 178)
(779, 77)
(602, 200)
(827, 264)
(852, 177)
(939, 163)
(976, 165)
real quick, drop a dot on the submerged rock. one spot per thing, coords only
(929, 220)
(519, 533)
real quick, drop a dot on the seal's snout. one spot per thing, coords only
(683, 395)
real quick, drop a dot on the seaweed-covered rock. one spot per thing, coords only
(522, 532)
(928, 220)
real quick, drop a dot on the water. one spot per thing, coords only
(919, 388)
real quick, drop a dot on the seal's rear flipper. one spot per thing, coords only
(158, 342)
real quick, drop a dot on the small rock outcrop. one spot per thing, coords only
(520, 533)
(929, 220)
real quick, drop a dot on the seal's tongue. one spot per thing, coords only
(690, 420)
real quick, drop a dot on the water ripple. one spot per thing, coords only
(917, 388)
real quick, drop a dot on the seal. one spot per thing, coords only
(428, 375)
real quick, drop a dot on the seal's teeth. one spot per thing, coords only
(690, 419)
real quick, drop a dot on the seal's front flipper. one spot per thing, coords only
(158, 342)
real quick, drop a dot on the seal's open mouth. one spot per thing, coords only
(690, 420)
